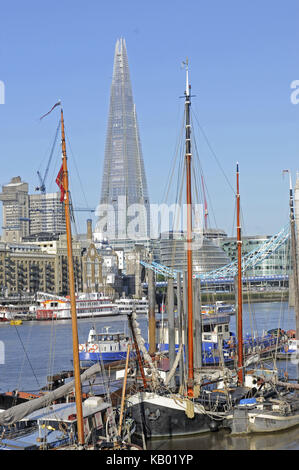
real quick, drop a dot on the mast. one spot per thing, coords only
(78, 393)
(205, 203)
(188, 155)
(240, 304)
(294, 261)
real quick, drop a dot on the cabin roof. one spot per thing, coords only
(62, 411)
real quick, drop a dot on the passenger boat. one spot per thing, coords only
(9, 312)
(3, 315)
(105, 346)
(87, 305)
(126, 306)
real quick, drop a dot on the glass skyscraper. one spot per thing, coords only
(124, 204)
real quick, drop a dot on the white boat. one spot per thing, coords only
(106, 346)
(10, 312)
(126, 305)
(218, 307)
(87, 305)
(289, 349)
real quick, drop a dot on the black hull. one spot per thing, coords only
(153, 421)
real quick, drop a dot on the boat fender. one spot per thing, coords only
(189, 409)
(214, 426)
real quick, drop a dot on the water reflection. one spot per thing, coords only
(223, 440)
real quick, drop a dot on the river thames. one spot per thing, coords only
(35, 350)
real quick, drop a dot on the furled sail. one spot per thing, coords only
(140, 342)
(18, 412)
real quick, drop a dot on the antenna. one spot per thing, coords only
(186, 65)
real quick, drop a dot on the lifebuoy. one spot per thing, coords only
(93, 348)
(81, 347)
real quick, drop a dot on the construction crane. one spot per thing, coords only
(42, 180)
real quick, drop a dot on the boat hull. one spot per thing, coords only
(104, 356)
(161, 416)
(248, 421)
(49, 315)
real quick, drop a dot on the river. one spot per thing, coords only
(35, 350)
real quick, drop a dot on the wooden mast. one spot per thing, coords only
(240, 300)
(294, 263)
(188, 155)
(78, 393)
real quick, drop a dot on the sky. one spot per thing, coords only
(243, 58)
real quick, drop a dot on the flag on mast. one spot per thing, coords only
(56, 104)
(59, 181)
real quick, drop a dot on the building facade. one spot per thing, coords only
(206, 255)
(278, 263)
(38, 266)
(15, 214)
(46, 213)
(27, 214)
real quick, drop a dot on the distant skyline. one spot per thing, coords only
(243, 60)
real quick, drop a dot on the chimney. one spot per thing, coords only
(89, 229)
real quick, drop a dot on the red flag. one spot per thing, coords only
(56, 104)
(59, 181)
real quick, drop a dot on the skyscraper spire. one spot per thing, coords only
(123, 181)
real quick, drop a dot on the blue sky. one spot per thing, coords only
(243, 57)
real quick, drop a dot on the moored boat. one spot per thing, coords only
(105, 346)
(87, 305)
(56, 426)
(16, 322)
(126, 305)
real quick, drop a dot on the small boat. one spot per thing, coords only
(277, 410)
(55, 426)
(16, 322)
(105, 346)
(219, 307)
(290, 347)
(223, 307)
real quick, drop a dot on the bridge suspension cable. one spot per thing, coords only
(250, 260)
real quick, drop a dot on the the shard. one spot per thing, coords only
(124, 188)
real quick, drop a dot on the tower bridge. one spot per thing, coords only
(226, 274)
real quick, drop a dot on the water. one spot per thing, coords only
(35, 350)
